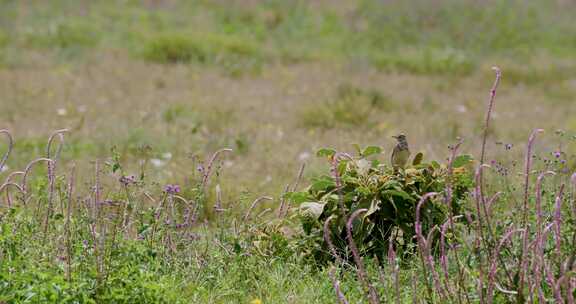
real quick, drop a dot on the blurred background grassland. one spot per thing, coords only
(276, 80)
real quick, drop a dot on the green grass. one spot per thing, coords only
(161, 85)
(233, 54)
(459, 35)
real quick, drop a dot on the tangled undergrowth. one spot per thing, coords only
(435, 233)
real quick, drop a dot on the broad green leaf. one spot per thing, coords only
(363, 190)
(357, 148)
(326, 152)
(374, 206)
(371, 150)
(399, 193)
(297, 197)
(363, 166)
(342, 166)
(311, 209)
(418, 159)
(462, 160)
(322, 184)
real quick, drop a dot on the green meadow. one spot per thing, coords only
(211, 151)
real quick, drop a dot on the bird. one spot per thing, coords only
(401, 152)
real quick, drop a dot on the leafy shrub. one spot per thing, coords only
(390, 197)
(175, 48)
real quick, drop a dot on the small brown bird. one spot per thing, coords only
(401, 152)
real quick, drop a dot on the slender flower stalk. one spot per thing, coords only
(69, 206)
(395, 269)
(284, 206)
(60, 135)
(10, 139)
(487, 121)
(553, 283)
(444, 256)
(558, 223)
(208, 170)
(335, 164)
(361, 272)
(4, 187)
(254, 203)
(489, 111)
(573, 205)
(51, 181)
(336, 284)
(423, 245)
(494, 260)
(527, 168)
(283, 201)
(218, 203)
(538, 246)
(328, 240)
(448, 189)
(9, 180)
(490, 202)
(298, 177)
(23, 183)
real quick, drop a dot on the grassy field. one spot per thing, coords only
(153, 88)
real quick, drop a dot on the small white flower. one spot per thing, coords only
(167, 155)
(61, 112)
(157, 162)
(303, 156)
(461, 108)
(4, 169)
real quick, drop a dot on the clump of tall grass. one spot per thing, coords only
(117, 210)
(233, 54)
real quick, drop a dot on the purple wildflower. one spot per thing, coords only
(557, 154)
(508, 146)
(172, 189)
(127, 180)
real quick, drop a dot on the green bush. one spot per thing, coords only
(390, 197)
(175, 48)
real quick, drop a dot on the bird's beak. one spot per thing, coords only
(394, 136)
